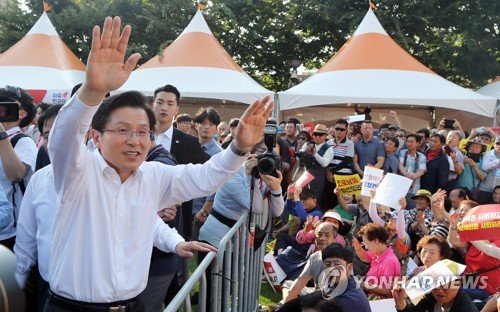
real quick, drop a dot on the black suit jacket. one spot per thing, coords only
(187, 149)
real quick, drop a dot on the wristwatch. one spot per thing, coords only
(204, 213)
(3, 136)
(235, 150)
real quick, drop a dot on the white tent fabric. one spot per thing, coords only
(42, 64)
(371, 68)
(197, 64)
(492, 89)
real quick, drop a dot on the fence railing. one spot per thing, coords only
(236, 274)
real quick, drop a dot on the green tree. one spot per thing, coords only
(458, 39)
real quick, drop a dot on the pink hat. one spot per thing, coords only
(332, 214)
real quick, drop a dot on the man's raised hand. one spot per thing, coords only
(106, 66)
(251, 125)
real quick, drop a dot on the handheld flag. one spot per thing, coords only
(46, 7)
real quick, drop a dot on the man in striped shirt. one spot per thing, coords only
(343, 150)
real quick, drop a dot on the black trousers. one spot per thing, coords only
(9, 242)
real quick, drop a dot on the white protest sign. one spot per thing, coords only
(392, 188)
(386, 305)
(371, 179)
(273, 271)
(440, 273)
(354, 118)
(411, 266)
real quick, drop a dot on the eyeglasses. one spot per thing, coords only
(301, 138)
(319, 134)
(340, 129)
(125, 133)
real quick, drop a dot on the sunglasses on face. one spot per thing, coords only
(319, 134)
(340, 129)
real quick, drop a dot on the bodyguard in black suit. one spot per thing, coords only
(186, 149)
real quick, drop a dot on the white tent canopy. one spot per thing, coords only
(492, 89)
(197, 64)
(42, 64)
(371, 68)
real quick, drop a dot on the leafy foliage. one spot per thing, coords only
(458, 39)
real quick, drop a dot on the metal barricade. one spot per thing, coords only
(236, 274)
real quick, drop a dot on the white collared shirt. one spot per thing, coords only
(34, 228)
(165, 138)
(36, 220)
(104, 229)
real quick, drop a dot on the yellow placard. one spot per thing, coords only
(348, 184)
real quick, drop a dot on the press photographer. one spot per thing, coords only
(268, 162)
(261, 195)
(17, 152)
(322, 155)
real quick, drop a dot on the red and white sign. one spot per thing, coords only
(480, 223)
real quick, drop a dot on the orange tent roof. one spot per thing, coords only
(42, 47)
(370, 47)
(42, 64)
(197, 64)
(371, 68)
(196, 46)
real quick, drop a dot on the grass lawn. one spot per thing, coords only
(267, 294)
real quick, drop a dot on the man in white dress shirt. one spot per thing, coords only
(107, 200)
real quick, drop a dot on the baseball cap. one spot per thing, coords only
(332, 214)
(485, 133)
(393, 127)
(306, 193)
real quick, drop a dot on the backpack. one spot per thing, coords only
(21, 184)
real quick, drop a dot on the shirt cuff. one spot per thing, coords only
(276, 193)
(21, 279)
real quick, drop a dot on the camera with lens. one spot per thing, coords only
(306, 159)
(268, 162)
(9, 109)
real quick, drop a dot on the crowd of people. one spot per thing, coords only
(105, 183)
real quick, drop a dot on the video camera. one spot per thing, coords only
(268, 162)
(9, 108)
(306, 159)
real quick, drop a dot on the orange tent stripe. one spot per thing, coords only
(194, 49)
(41, 50)
(373, 51)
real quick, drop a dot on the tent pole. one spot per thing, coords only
(276, 108)
(433, 116)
